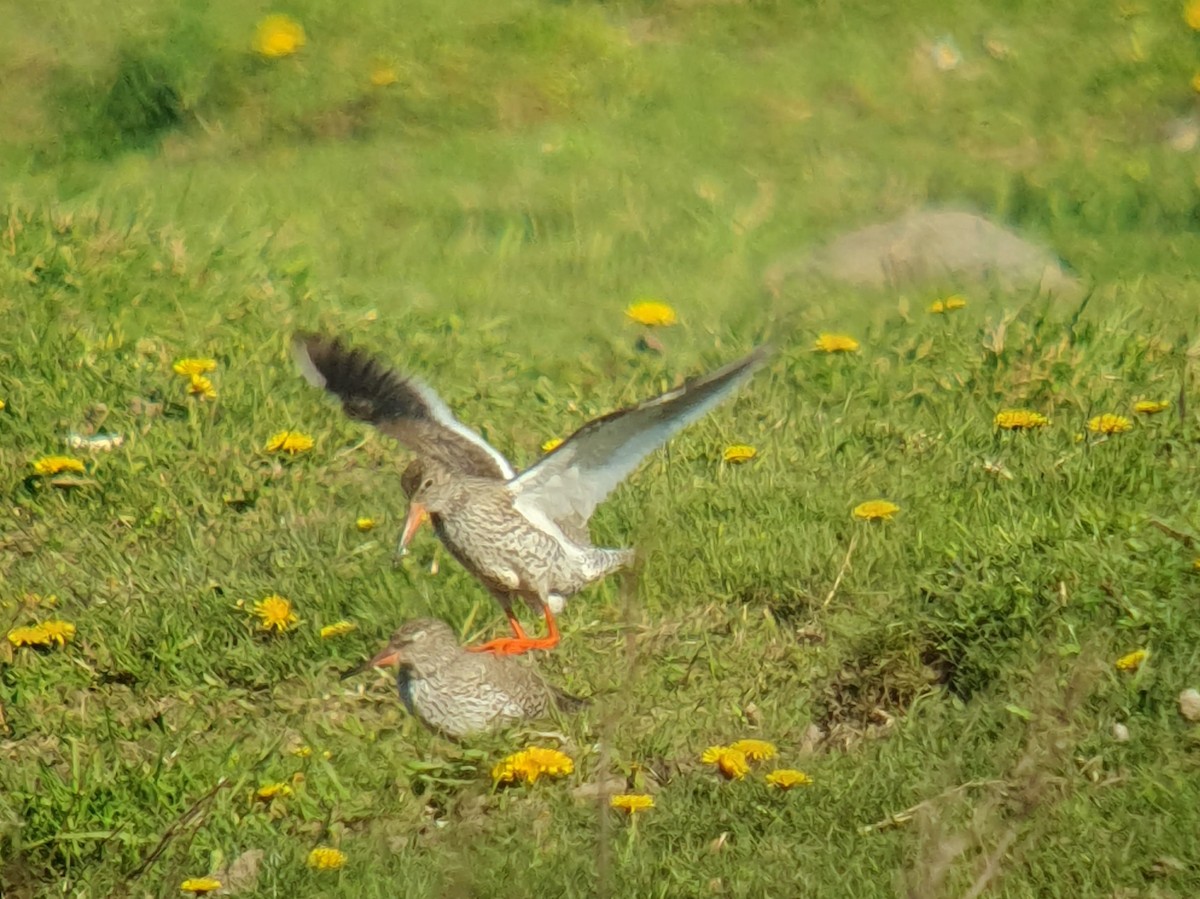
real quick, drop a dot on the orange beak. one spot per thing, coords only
(385, 658)
(417, 516)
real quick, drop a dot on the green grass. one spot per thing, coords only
(483, 222)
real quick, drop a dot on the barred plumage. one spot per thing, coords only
(526, 535)
(460, 693)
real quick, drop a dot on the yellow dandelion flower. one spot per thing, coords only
(1195, 87)
(956, 301)
(1132, 661)
(631, 802)
(200, 885)
(190, 367)
(729, 761)
(337, 629)
(1, 405)
(875, 510)
(59, 632)
(733, 764)
(277, 36)
(786, 778)
(552, 444)
(1191, 14)
(836, 343)
(552, 762)
(302, 752)
(755, 750)
(739, 453)
(507, 771)
(1020, 419)
(290, 442)
(200, 386)
(28, 636)
(51, 465)
(1109, 424)
(1151, 407)
(326, 858)
(530, 764)
(383, 75)
(270, 791)
(276, 613)
(652, 313)
(365, 524)
(44, 634)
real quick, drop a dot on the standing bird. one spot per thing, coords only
(523, 535)
(460, 693)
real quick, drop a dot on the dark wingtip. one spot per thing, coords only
(369, 390)
(735, 372)
(758, 356)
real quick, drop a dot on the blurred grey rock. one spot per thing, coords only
(813, 735)
(601, 788)
(1120, 733)
(1182, 134)
(1189, 704)
(929, 247)
(241, 876)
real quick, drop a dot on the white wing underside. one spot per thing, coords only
(568, 484)
(441, 414)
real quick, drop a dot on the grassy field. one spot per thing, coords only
(477, 191)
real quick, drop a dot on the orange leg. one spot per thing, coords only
(512, 646)
(517, 630)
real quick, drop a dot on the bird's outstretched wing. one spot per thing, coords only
(399, 406)
(570, 482)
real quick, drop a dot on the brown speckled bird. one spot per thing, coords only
(460, 693)
(522, 535)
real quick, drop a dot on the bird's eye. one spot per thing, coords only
(428, 483)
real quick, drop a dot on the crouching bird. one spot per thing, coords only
(522, 535)
(459, 693)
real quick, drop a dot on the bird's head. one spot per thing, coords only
(418, 645)
(430, 489)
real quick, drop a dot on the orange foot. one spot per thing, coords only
(520, 644)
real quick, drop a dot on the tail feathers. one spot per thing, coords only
(603, 562)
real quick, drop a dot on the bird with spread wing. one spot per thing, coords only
(522, 535)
